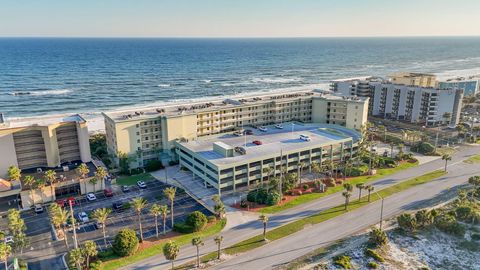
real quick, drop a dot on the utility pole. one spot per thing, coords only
(381, 211)
(75, 242)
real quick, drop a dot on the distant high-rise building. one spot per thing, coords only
(414, 79)
(470, 86)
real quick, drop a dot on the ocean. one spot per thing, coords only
(40, 76)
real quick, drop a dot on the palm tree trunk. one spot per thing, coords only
(140, 226)
(88, 262)
(264, 231)
(359, 194)
(369, 196)
(164, 225)
(446, 165)
(65, 238)
(156, 225)
(218, 252)
(104, 235)
(172, 265)
(198, 257)
(171, 209)
(6, 263)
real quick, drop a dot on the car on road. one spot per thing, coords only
(141, 184)
(108, 192)
(240, 150)
(305, 138)
(279, 126)
(9, 239)
(257, 142)
(38, 208)
(117, 205)
(125, 189)
(82, 217)
(91, 197)
(262, 128)
(248, 132)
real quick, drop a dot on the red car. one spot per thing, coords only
(108, 192)
(257, 142)
(65, 202)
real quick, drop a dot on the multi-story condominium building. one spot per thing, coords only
(147, 134)
(414, 79)
(470, 86)
(423, 105)
(215, 160)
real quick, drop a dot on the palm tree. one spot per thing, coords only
(347, 195)
(50, 177)
(447, 158)
(360, 186)
(219, 206)
(40, 184)
(264, 220)
(197, 242)
(5, 251)
(218, 240)
(164, 213)
(89, 251)
(59, 218)
(155, 212)
(347, 164)
(14, 173)
(138, 205)
(369, 188)
(30, 181)
(268, 171)
(348, 187)
(83, 171)
(100, 174)
(300, 167)
(101, 215)
(170, 194)
(77, 257)
(170, 251)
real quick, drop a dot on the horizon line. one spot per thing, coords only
(242, 37)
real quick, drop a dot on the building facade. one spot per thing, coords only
(414, 79)
(150, 134)
(470, 87)
(43, 142)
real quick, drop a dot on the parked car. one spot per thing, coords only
(305, 138)
(262, 128)
(117, 205)
(257, 142)
(65, 202)
(141, 184)
(238, 133)
(240, 150)
(91, 196)
(279, 126)
(38, 208)
(82, 217)
(125, 189)
(108, 192)
(98, 225)
(248, 132)
(9, 239)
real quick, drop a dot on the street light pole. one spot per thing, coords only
(381, 211)
(75, 242)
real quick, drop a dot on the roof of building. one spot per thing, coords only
(411, 74)
(273, 141)
(41, 121)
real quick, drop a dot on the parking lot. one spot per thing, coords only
(41, 236)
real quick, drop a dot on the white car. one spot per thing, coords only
(141, 184)
(262, 128)
(38, 208)
(91, 197)
(82, 217)
(279, 126)
(305, 138)
(8, 239)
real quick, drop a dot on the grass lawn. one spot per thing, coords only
(298, 225)
(156, 250)
(473, 160)
(446, 151)
(313, 196)
(132, 179)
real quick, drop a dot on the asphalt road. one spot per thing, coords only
(337, 228)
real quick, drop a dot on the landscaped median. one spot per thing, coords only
(354, 180)
(473, 159)
(114, 262)
(130, 180)
(298, 225)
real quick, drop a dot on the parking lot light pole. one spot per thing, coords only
(75, 243)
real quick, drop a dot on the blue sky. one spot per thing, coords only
(239, 18)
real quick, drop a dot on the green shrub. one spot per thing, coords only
(107, 254)
(464, 212)
(211, 218)
(181, 227)
(125, 243)
(475, 236)
(372, 265)
(273, 198)
(258, 196)
(126, 206)
(372, 253)
(357, 171)
(243, 203)
(153, 165)
(305, 187)
(448, 224)
(407, 222)
(424, 148)
(377, 238)
(342, 261)
(197, 220)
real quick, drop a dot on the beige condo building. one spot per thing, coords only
(149, 134)
(414, 79)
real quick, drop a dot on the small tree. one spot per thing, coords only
(155, 212)
(170, 194)
(197, 242)
(264, 220)
(218, 240)
(347, 195)
(164, 213)
(77, 258)
(125, 243)
(5, 251)
(423, 218)
(170, 251)
(407, 222)
(369, 188)
(197, 220)
(51, 177)
(447, 158)
(377, 237)
(219, 207)
(138, 205)
(83, 171)
(360, 186)
(100, 174)
(89, 251)
(29, 181)
(101, 215)
(14, 173)
(59, 218)
(348, 187)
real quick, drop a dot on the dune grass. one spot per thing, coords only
(355, 180)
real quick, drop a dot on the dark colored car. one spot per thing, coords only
(248, 132)
(125, 189)
(108, 192)
(240, 150)
(117, 205)
(257, 142)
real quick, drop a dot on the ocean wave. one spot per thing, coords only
(43, 93)
(164, 85)
(206, 81)
(275, 80)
